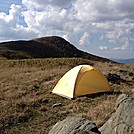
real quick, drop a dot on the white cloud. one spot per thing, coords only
(9, 25)
(40, 4)
(103, 47)
(12, 18)
(125, 46)
(84, 39)
(9, 22)
(77, 21)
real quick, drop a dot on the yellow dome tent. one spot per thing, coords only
(81, 80)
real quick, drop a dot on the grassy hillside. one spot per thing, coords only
(45, 47)
(28, 106)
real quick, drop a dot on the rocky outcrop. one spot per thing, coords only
(74, 125)
(114, 78)
(121, 76)
(122, 121)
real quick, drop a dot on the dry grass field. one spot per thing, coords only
(27, 105)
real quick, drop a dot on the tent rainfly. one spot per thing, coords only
(81, 80)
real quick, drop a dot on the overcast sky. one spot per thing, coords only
(100, 27)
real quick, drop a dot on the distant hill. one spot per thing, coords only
(44, 47)
(126, 61)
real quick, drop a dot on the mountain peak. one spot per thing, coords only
(44, 47)
(51, 39)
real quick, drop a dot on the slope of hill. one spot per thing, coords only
(126, 61)
(44, 47)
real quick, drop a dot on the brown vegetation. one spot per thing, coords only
(28, 106)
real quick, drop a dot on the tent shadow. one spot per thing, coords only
(101, 94)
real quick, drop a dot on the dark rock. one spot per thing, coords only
(126, 75)
(122, 121)
(131, 74)
(114, 78)
(123, 71)
(126, 72)
(74, 125)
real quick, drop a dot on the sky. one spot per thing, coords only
(101, 27)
